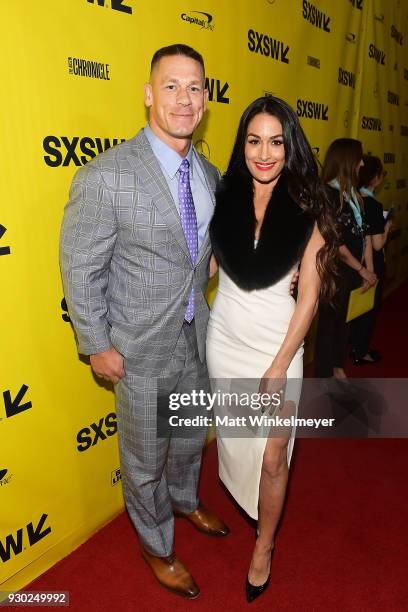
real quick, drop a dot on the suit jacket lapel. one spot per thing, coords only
(152, 179)
(210, 188)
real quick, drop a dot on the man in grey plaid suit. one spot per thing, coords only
(134, 259)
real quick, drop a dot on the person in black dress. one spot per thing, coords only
(371, 176)
(340, 174)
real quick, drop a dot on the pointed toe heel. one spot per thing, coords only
(253, 592)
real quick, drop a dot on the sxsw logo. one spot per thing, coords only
(358, 4)
(5, 477)
(217, 90)
(371, 123)
(90, 436)
(63, 150)
(393, 98)
(116, 5)
(268, 46)
(88, 68)
(316, 17)
(4, 250)
(116, 477)
(15, 405)
(204, 22)
(397, 35)
(313, 61)
(389, 158)
(29, 535)
(347, 78)
(312, 110)
(65, 315)
(376, 54)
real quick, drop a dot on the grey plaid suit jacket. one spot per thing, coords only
(126, 267)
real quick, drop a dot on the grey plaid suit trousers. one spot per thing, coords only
(159, 473)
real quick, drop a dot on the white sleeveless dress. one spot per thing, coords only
(245, 332)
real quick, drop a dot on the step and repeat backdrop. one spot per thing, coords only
(72, 86)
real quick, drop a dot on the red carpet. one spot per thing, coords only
(342, 545)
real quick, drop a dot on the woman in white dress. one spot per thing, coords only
(271, 215)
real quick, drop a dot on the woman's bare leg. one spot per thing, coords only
(272, 490)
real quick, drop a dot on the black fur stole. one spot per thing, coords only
(285, 232)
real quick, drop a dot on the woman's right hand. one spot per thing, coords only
(369, 278)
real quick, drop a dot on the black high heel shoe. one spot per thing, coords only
(252, 591)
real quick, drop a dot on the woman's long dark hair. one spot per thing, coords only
(342, 162)
(302, 176)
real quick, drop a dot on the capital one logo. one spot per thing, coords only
(116, 5)
(204, 20)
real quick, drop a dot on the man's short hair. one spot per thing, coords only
(178, 49)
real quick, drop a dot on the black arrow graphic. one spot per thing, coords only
(220, 93)
(65, 316)
(3, 250)
(284, 53)
(3, 473)
(35, 535)
(14, 407)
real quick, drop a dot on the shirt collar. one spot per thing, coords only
(367, 192)
(168, 157)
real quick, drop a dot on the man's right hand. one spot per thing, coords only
(108, 365)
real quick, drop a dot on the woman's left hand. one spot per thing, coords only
(273, 381)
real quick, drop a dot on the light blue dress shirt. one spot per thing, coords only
(170, 161)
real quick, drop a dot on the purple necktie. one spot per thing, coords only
(189, 223)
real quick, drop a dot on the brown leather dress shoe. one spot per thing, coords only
(205, 521)
(172, 574)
